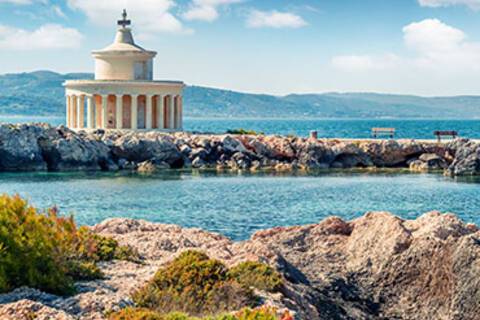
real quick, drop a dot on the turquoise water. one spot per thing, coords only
(237, 205)
(330, 128)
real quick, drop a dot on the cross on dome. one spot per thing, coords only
(124, 22)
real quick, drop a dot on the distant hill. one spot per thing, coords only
(41, 93)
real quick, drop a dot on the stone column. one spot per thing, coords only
(180, 113)
(67, 106)
(171, 111)
(148, 111)
(71, 119)
(104, 111)
(90, 115)
(134, 112)
(80, 111)
(160, 114)
(119, 111)
(74, 111)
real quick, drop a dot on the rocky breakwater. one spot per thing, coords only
(375, 267)
(40, 147)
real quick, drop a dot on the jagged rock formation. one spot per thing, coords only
(466, 161)
(375, 267)
(40, 147)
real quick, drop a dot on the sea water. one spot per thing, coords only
(328, 128)
(237, 205)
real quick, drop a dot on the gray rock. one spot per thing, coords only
(198, 153)
(152, 166)
(42, 147)
(185, 149)
(140, 147)
(198, 163)
(467, 159)
(315, 154)
(19, 148)
(123, 163)
(232, 145)
(391, 153)
(65, 150)
(353, 160)
(428, 162)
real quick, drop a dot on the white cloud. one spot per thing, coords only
(473, 4)
(432, 35)
(206, 10)
(49, 36)
(438, 45)
(150, 17)
(274, 19)
(435, 46)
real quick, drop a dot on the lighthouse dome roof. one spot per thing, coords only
(124, 43)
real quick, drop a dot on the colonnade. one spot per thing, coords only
(125, 111)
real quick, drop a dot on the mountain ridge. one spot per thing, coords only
(41, 93)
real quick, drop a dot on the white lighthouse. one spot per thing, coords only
(124, 94)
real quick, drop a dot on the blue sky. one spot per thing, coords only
(424, 47)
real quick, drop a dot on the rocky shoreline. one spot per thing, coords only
(375, 267)
(41, 147)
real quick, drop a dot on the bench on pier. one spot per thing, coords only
(377, 132)
(441, 134)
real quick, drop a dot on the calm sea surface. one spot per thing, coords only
(237, 205)
(330, 128)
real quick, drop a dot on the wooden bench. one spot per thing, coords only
(376, 132)
(441, 134)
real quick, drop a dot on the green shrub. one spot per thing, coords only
(136, 314)
(244, 314)
(195, 284)
(97, 248)
(45, 251)
(244, 132)
(258, 275)
(127, 253)
(34, 248)
(257, 314)
(84, 270)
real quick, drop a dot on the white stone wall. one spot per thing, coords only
(123, 68)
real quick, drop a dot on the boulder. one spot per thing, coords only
(428, 162)
(65, 150)
(152, 166)
(19, 148)
(466, 160)
(232, 145)
(376, 267)
(391, 153)
(198, 162)
(141, 147)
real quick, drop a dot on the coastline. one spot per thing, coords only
(41, 147)
(374, 267)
